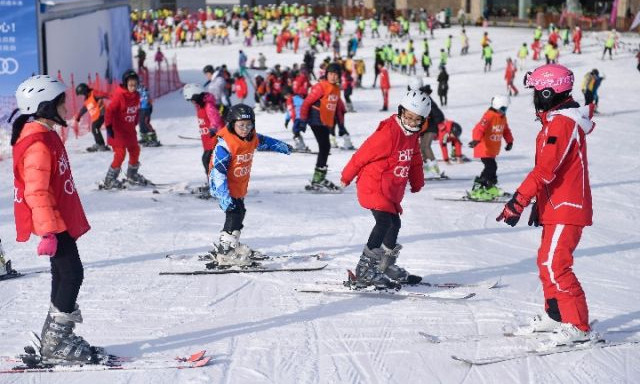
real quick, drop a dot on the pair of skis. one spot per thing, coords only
(264, 264)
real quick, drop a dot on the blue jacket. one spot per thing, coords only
(218, 185)
(145, 101)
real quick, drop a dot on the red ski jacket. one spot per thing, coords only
(384, 164)
(560, 177)
(384, 79)
(122, 115)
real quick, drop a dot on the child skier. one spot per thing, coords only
(509, 76)
(559, 182)
(94, 104)
(229, 180)
(487, 138)
(47, 204)
(384, 164)
(209, 119)
(149, 138)
(240, 87)
(443, 85)
(121, 119)
(449, 132)
(320, 109)
(293, 103)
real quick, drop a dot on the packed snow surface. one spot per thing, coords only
(260, 330)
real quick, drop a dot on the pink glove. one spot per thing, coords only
(48, 245)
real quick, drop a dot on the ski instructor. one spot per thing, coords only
(559, 183)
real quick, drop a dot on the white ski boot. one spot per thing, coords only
(539, 323)
(346, 143)
(230, 253)
(432, 170)
(568, 334)
(333, 141)
(299, 145)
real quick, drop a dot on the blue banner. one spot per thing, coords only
(18, 43)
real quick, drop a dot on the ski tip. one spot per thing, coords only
(457, 358)
(202, 362)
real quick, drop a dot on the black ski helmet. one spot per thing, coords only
(334, 67)
(208, 69)
(129, 74)
(240, 112)
(82, 89)
(456, 129)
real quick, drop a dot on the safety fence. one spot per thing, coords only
(159, 81)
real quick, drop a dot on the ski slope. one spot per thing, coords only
(260, 330)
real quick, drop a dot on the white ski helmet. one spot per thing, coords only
(499, 102)
(415, 83)
(36, 90)
(191, 90)
(417, 102)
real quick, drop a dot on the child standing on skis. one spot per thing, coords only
(93, 104)
(229, 180)
(47, 205)
(487, 139)
(559, 182)
(293, 103)
(121, 119)
(384, 164)
(209, 119)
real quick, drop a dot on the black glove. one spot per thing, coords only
(290, 147)
(508, 147)
(513, 209)
(473, 143)
(110, 131)
(534, 217)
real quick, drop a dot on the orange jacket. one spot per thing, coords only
(35, 170)
(489, 132)
(239, 171)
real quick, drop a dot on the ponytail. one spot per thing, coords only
(18, 124)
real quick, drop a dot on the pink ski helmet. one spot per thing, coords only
(554, 76)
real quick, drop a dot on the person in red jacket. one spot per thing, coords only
(384, 86)
(509, 76)
(559, 182)
(577, 38)
(46, 204)
(301, 83)
(320, 110)
(240, 87)
(384, 164)
(121, 119)
(209, 123)
(486, 142)
(449, 132)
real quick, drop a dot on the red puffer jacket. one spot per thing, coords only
(560, 178)
(122, 115)
(384, 164)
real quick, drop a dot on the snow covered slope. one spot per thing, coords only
(260, 330)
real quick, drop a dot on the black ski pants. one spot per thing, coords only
(490, 172)
(235, 217)
(324, 145)
(95, 130)
(385, 231)
(67, 273)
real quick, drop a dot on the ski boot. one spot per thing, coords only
(299, 145)
(432, 170)
(151, 140)
(389, 267)
(58, 343)
(230, 253)
(494, 191)
(319, 183)
(5, 265)
(479, 190)
(103, 148)
(350, 107)
(93, 148)
(569, 334)
(368, 272)
(346, 143)
(333, 141)
(538, 323)
(134, 177)
(111, 180)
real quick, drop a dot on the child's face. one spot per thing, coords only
(243, 128)
(132, 85)
(410, 119)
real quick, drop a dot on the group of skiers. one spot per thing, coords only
(397, 153)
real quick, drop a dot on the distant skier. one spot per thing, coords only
(121, 118)
(559, 182)
(93, 103)
(443, 85)
(509, 76)
(209, 120)
(487, 139)
(47, 205)
(229, 180)
(384, 164)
